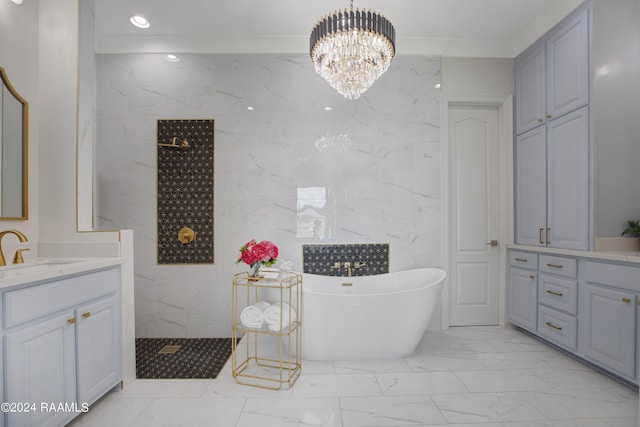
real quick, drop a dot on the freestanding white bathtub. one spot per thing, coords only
(367, 317)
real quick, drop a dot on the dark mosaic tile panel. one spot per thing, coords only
(185, 191)
(319, 258)
(196, 358)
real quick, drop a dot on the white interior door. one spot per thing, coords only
(474, 168)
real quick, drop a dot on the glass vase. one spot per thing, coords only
(254, 270)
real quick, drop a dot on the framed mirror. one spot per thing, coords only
(14, 113)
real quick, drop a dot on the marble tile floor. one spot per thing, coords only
(473, 376)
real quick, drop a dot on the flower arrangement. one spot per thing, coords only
(256, 254)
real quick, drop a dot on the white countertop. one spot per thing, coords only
(611, 255)
(44, 269)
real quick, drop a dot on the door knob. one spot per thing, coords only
(493, 243)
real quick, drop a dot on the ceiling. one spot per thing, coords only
(474, 28)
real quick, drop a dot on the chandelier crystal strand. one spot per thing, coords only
(351, 48)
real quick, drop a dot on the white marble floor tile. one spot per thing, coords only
(336, 386)
(196, 412)
(389, 411)
(462, 377)
(314, 367)
(577, 403)
(164, 388)
(562, 378)
(225, 386)
(502, 380)
(485, 407)
(525, 360)
(420, 383)
(112, 412)
(291, 412)
(445, 362)
(371, 366)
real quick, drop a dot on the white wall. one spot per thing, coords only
(477, 76)
(19, 58)
(615, 114)
(384, 187)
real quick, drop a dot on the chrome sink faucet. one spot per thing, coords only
(20, 236)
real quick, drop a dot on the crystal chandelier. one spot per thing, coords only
(352, 48)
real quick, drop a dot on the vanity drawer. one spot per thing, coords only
(47, 298)
(561, 294)
(560, 266)
(523, 260)
(557, 327)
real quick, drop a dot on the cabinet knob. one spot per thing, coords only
(540, 120)
(626, 300)
(71, 321)
(87, 315)
(532, 276)
(548, 116)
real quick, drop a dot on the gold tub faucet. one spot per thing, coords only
(20, 236)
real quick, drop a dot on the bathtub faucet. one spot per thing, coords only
(338, 265)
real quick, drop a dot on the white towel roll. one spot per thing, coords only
(275, 312)
(252, 316)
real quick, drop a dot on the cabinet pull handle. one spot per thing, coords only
(554, 266)
(71, 321)
(540, 236)
(532, 277)
(548, 231)
(540, 120)
(521, 260)
(548, 116)
(87, 315)
(551, 325)
(558, 294)
(626, 300)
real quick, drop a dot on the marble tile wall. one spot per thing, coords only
(289, 170)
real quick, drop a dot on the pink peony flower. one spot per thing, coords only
(263, 252)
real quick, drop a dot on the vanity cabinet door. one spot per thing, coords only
(98, 348)
(531, 187)
(568, 181)
(567, 63)
(40, 368)
(608, 328)
(530, 89)
(523, 298)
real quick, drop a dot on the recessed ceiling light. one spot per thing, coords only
(250, 108)
(139, 21)
(437, 86)
(172, 58)
(327, 108)
(17, 1)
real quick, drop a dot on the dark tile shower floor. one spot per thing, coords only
(194, 358)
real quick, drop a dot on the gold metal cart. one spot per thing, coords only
(264, 357)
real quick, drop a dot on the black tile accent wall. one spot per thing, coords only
(185, 191)
(319, 258)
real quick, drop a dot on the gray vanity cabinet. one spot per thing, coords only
(62, 345)
(552, 126)
(608, 305)
(523, 293)
(552, 76)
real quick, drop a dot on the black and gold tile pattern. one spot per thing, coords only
(196, 357)
(319, 258)
(185, 191)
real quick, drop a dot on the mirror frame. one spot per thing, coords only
(25, 149)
